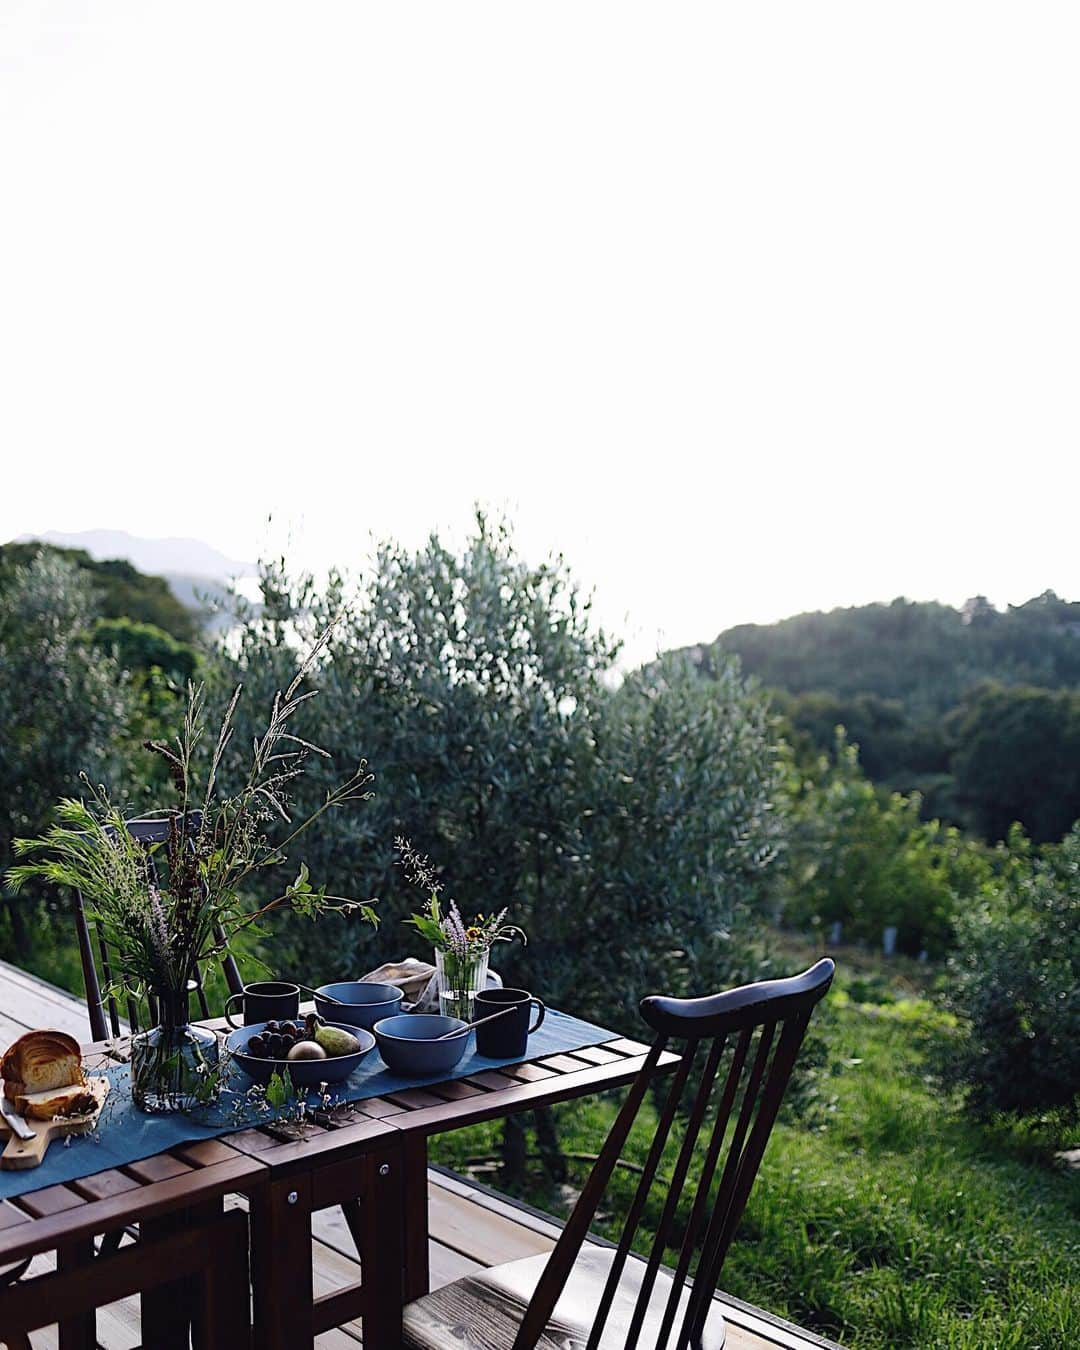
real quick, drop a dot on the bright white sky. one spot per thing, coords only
(745, 309)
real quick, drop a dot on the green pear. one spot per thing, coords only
(336, 1042)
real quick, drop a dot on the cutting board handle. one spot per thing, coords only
(23, 1153)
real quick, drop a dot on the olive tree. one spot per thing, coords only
(626, 827)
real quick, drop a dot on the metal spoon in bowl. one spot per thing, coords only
(329, 998)
(461, 1031)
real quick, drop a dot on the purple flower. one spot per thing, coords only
(158, 926)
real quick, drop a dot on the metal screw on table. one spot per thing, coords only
(384, 1170)
(292, 1197)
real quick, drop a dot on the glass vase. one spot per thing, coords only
(460, 980)
(173, 1064)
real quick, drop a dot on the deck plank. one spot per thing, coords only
(456, 1223)
(31, 1003)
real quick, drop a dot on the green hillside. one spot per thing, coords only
(926, 655)
(121, 590)
(977, 708)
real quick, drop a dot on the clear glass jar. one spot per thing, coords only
(460, 980)
(173, 1064)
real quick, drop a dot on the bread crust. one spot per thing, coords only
(41, 1060)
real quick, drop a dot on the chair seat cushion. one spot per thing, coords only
(484, 1311)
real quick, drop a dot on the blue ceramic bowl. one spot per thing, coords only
(303, 1072)
(368, 1002)
(407, 1043)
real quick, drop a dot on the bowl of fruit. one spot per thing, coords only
(310, 1050)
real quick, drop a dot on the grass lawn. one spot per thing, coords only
(883, 1218)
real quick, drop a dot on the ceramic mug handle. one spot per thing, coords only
(542, 1011)
(228, 1018)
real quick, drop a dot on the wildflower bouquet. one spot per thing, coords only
(166, 910)
(462, 949)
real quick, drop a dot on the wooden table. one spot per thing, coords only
(374, 1151)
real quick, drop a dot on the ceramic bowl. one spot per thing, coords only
(303, 1072)
(407, 1043)
(368, 1002)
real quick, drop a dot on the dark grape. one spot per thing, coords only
(273, 1027)
(257, 1046)
(290, 1029)
(275, 1044)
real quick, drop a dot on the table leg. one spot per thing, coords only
(167, 1309)
(78, 1332)
(281, 1264)
(417, 1270)
(382, 1252)
(223, 1319)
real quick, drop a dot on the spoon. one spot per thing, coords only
(329, 998)
(460, 1031)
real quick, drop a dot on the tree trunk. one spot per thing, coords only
(547, 1138)
(20, 934)
(512, 1150)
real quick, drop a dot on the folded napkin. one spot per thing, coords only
(417, 981)
(414, 979)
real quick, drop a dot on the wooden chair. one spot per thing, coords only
(148, 831)
(213, 1256)
(738, 1050)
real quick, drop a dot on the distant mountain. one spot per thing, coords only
(157, 557)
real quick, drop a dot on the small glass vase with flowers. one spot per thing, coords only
(462, 950)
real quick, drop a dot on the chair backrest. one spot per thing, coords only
(737, 1052)
(148, 830)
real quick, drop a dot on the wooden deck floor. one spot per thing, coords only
(471, 1226)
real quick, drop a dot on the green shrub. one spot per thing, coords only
(865, 859)
(1016, 986)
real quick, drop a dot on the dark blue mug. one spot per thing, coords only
(266, 1001)
(507, 1036)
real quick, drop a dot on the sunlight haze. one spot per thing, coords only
(744, 310)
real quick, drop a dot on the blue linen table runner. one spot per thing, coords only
(127, 1135)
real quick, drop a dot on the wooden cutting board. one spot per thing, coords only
(20, 1153)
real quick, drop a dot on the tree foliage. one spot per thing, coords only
(143, 647)
(926, 655)
(1018, 759)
